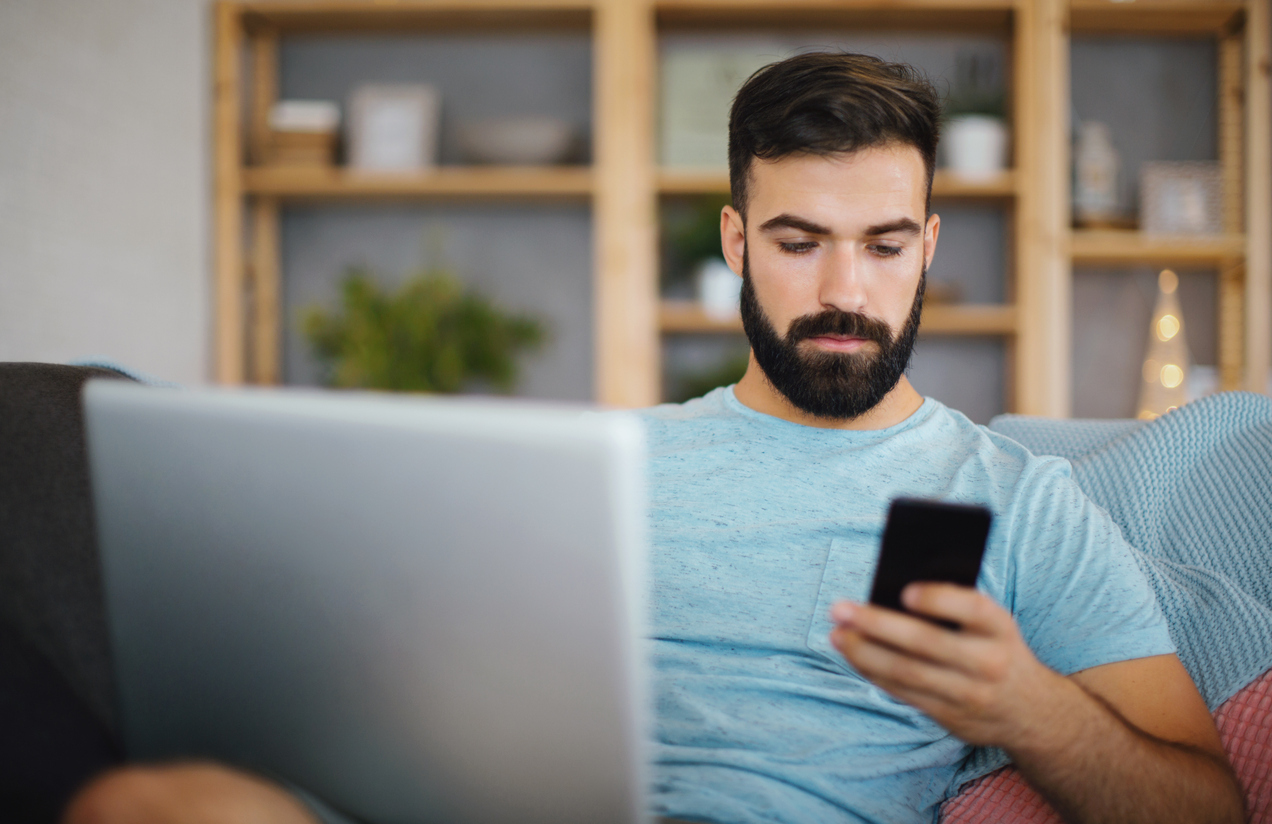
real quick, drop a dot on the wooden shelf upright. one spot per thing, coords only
(624, 184)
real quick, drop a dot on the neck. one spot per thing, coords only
(755, 391)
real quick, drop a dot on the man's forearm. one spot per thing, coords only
(1094, 766)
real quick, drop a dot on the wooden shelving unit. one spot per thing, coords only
(624, 183)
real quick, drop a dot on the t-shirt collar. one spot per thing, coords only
(925, 411)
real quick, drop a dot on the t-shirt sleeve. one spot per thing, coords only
(1080, 597)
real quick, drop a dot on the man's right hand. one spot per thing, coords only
(981, 683)
(1123, 742)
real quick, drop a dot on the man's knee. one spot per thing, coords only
(184, 794)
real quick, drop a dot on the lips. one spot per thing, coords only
(839, 331)
(838, 343)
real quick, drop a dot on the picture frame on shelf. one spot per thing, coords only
(697, 88)
(1183, 197)
(393, 128)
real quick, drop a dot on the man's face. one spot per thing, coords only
(833, 257)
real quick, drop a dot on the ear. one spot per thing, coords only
(930, 233)
(732, 238)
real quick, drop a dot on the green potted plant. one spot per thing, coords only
(430, 335)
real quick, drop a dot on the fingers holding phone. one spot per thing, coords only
(928, 638)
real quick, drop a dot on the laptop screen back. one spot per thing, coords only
(417, 609)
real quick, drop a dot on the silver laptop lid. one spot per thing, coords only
(418, 609)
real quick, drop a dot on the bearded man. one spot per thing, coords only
(781, 696)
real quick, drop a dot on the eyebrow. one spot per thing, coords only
(788, 221)
(904, 225)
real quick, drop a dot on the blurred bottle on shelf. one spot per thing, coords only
(1096, 167)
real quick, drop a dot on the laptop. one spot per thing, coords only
(416, 609)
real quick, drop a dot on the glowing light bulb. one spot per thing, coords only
(1167, 327)
(1172, 376)
(1167, 281)
(1147, 415)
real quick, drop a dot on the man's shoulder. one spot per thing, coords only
(945, 427)
(670, 427)
(710, 405)
(971, 450)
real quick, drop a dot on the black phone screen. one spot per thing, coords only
(929, 541)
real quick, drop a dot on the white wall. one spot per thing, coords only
(104, 193)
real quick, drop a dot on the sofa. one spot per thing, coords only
(57, 725)
(1210, 461)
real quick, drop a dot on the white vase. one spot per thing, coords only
(719, 290)
(976, 146)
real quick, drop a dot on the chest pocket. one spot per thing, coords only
(847, 575)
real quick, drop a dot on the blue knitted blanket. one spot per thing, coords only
(1192, 492)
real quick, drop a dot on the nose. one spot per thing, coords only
(843, 280)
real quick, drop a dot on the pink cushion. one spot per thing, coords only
(1245, 725)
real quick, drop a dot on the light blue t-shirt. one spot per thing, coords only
(758, 525)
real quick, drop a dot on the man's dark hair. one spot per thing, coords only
(825, 103)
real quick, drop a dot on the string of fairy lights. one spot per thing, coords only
(1165, 371)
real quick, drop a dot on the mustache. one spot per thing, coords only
(835, 322)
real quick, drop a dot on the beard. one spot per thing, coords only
(832, 385)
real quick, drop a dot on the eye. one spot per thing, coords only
(797, 247)
(883, 250)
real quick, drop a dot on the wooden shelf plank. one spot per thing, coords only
(1163, 17)
(946, 184)
(672, 181)
(724, 8)
(687, 317)
(928, 15)
(968, 319)
(457, 182)
(418, 15)
(1104, 246)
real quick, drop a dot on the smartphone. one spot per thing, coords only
(929, 541)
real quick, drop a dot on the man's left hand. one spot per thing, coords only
(981, 682)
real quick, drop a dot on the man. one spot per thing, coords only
(781, 697)
(779, 700)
